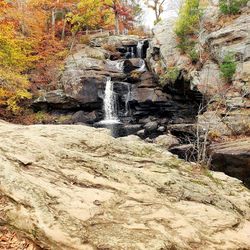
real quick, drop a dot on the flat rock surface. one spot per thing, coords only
(76, 187)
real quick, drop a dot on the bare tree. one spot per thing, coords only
(157, 6)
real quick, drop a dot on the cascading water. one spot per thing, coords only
(110, 107)
(139, 49)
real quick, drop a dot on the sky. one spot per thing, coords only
(149, 17)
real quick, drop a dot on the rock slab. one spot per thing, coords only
(76, 187)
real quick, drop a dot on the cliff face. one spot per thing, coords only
(218, 36)
(76, 187)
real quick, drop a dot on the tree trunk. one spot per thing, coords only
(63, 30)
(53, 22)
(117, 29)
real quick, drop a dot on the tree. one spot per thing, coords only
(157, 6)
(90, 14)
(122, 12)
(15, 59)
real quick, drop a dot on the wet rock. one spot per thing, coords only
(83, 117)
(148, 94)
(183, 128)
(86, 91)
(132, 128)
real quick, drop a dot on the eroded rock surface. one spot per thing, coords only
(76, 187)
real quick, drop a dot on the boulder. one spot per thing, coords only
(132, 128)
(233, 158)
(86, 91)
(56, 99)
(167, 141)
(76, 187)
(141, 95)
(151, 127)
(84, 117)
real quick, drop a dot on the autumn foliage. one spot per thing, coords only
(37, 35)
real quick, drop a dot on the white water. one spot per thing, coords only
(110, 108)
(143, 67)
(139, 49)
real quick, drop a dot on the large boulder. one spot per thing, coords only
(76, 187)
(233, 158)
(167, 141)
(56, 99)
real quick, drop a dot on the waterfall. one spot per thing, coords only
(132, 52)
(139, 49)
(110, 107)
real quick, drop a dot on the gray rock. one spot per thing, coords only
(115, 41)
(208, 80)
(231, 38)
(83, 117)
(161, 129)
(141, 133)
(233, 158)
(147, 94)
(167, 141)
(151, 126)
(132, 128)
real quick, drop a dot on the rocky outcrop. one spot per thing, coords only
(76, 187)
(218, 36)
(115, 41)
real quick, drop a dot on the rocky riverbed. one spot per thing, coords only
(76, 187)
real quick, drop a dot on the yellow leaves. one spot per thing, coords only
(14, 51)
(13, 89)
(91, 14)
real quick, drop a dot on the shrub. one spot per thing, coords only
(231, 6)
(186, 27)
(228, 66)
(194, 55)
(13, 89)
(188, 20)
(170, 76)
